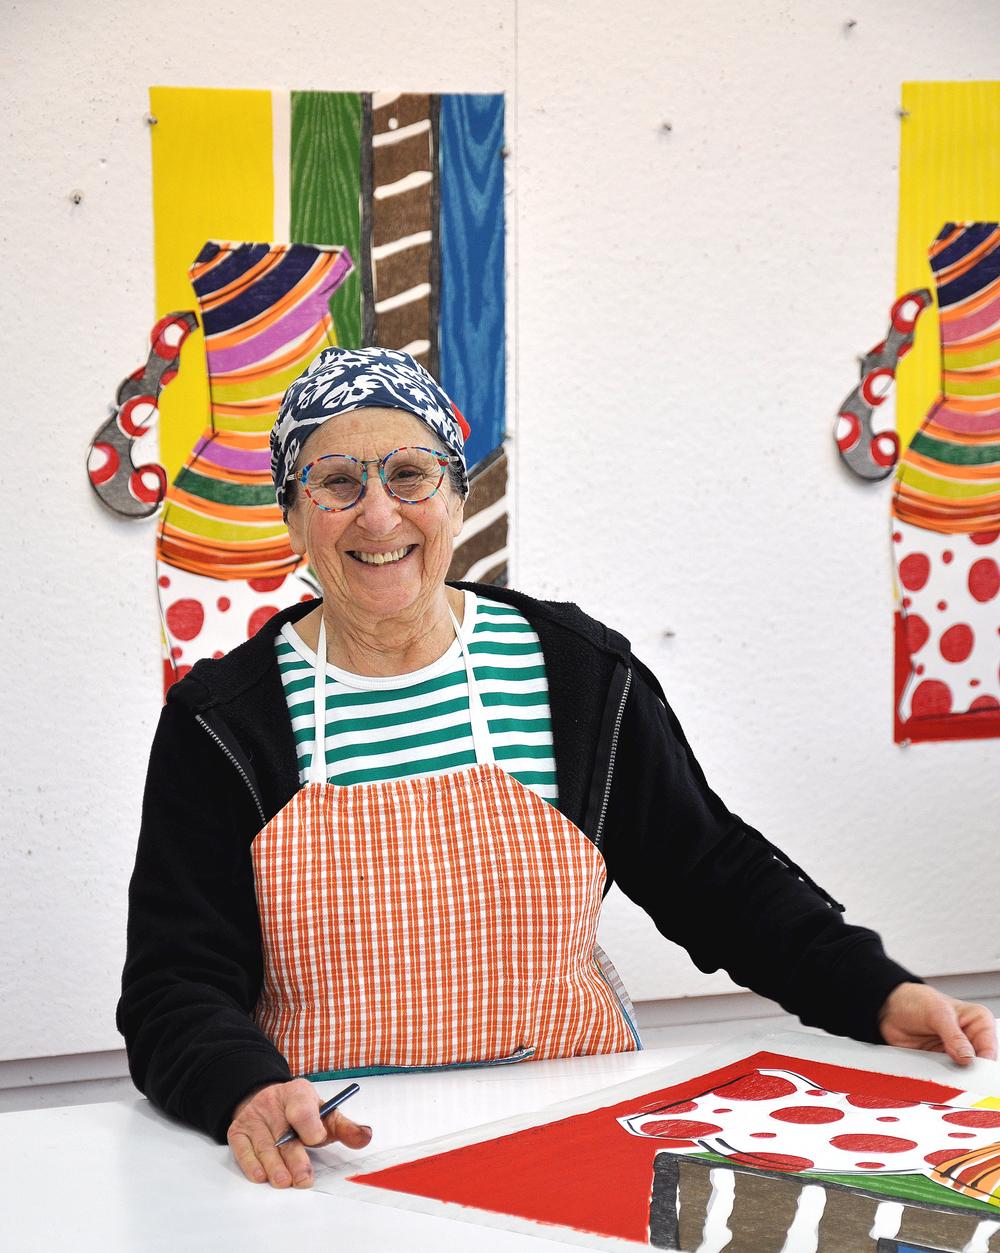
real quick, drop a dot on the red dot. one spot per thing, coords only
(919, 669)
(947, 556)
(163, 580)
(932, 699)
(961, 1135)
(984, 579)
(887, 1118)
(680, 1128)
(917, 632)
(176, 652)
(223, 603)
(772, 1161)
(974, 682)
(878, 1102)
(984, 702)
(946, 1108)
(259, 617)
(756, 1087)
(956, 643)
(914, 571)
(897, 536)
(907, 602)
(869, 1165)
(268, 584)
(218, 653)
(724, 1110)
(682, 1107)
(872, 1144)
(815, 1092)
(307, 596)
(984, 537)
(762, 1135)
(939, 1156)
(807, 1114)
(974, 1118)
(185, 618)
(942, 604)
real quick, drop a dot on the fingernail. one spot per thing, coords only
(304, 1181)
(281, 1180)
(366, 1129)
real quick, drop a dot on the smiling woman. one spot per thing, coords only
(404, 803)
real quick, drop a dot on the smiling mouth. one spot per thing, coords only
(383, 559)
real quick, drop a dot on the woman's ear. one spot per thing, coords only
(296, 530)
(457, 507)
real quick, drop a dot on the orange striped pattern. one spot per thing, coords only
(975, 1174)
(428, 922)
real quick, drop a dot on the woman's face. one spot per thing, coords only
(335, 542)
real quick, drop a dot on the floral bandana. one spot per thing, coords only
(342, 379)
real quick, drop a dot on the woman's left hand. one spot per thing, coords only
(916, 1016)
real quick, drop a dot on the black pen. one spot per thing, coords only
(324, 1109)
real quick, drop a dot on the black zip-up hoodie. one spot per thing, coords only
(223, 763)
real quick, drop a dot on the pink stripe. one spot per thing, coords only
(233, 458)
(955, 329)
(302, 318)
(967, 423)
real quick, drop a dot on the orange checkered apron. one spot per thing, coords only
(430, 922)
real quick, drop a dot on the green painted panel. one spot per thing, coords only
(326, 191)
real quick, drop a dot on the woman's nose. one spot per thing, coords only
(378, 512)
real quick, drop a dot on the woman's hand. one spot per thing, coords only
(915, 1016)
(267, 1114)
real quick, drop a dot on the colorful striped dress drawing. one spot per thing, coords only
(946, 507)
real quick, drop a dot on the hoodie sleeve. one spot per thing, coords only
(193, 964)
(717, 887)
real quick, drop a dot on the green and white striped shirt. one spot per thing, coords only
(415, 724)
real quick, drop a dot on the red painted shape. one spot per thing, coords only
(680, 1128)
(984, 537)
(756, 1088)
(872, 1144)
(808, 1114)
(932, 697)
(185, 618)
(939, 1156)
(914, 571)
(259, 617)
(984, 579)
(956, 643)
(980, 722)
(587, 1173)
(974, 1118)
(917, 632)
(267, 584)
(877, 1102)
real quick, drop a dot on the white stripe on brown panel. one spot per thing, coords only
(404, 223)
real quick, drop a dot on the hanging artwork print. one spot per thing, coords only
(286, 222)
(771, 1152)
(946, 498)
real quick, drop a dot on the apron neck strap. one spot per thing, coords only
(317, 772)
(477, 714)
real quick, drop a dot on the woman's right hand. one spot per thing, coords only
(265, 1115)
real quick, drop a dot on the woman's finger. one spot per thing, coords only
(340, 1127)
(246, 1158)
(278, 1174)
(980, 1026)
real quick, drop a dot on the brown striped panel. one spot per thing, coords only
(399, 327)
(402, 270)
(492, 540)
(763, 1209)
(394, 161)
(401, 215)
(847, 1219)
(944, 1229)
(408, 108)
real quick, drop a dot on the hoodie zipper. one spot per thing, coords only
(611, 759)
(242, 773)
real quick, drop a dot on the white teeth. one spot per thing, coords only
(382, 559)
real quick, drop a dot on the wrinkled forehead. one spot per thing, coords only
(366, 433)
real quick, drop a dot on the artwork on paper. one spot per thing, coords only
(944, 454)
(772, 1152)
(286, 222)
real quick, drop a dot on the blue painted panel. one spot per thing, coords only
(471, 321)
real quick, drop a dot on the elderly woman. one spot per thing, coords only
(376, 836)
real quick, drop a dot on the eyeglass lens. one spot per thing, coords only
(409, 474)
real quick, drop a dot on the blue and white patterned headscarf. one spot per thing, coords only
(342, 379)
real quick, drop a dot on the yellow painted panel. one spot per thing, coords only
(949, 171)
(213, 178)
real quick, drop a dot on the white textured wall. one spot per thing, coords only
(695, 297)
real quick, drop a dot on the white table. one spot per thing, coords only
(121, 1178)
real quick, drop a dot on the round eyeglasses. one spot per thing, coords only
(336, 482)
